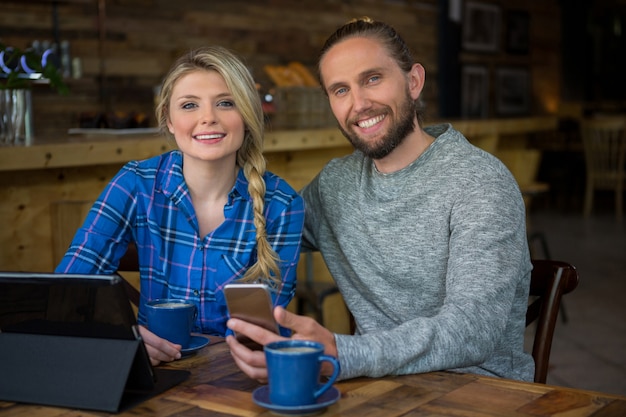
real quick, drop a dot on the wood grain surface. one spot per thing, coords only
(217, 388)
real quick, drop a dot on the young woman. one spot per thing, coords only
(204, 215)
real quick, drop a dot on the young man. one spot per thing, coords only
(423, 233)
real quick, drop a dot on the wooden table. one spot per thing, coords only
(217, 387)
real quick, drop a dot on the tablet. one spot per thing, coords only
(73, 341)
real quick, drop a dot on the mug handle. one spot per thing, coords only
(332, 378)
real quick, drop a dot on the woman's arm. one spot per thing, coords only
(103, 238)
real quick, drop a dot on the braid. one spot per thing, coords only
(267, 259)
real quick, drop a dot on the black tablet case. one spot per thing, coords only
(50, 363)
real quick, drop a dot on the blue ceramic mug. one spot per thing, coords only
(172, 319)
(293, 368)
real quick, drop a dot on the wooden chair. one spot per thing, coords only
(549, 281)
(604, 141)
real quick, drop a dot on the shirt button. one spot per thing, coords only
(196, 292)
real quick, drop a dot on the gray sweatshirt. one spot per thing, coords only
(431, 260)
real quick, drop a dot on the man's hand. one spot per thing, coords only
(159, 350)
(252, 363)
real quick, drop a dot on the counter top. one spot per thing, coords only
(95, 149)
(85, 150)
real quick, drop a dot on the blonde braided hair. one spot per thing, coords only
(250, 156)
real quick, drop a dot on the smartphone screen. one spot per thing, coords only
(252, 303)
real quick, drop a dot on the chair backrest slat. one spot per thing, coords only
(550, 280)
(604, 141)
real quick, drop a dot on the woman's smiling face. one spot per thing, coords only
(204, 119)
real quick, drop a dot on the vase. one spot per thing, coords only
(16, 117)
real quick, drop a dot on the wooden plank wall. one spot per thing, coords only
(126, 46)
(143, 37)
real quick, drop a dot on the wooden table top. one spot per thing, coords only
(217, 387)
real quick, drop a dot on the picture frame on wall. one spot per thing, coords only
(513, 91)
(481, 27)
(474, 92)
(517, 32)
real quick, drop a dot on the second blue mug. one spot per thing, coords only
(293, 368)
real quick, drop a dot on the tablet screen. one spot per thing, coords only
(65, 304)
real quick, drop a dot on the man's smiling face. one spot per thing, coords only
(369, 95)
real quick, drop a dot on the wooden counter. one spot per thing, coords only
(46, 188)
(88, 150)
(99, 149)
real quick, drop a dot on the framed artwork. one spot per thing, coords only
(481, 27)
(517, 31)
(474, 92)
(513, 91)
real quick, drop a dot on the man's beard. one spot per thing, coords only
(400, 129)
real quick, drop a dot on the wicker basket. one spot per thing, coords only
(301, 107)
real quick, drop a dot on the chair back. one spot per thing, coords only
(604, 141)
(549, 281)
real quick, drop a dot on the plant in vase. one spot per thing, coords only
(18, 71)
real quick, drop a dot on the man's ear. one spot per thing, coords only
(417, 77)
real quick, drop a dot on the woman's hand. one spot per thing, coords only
(159, 350)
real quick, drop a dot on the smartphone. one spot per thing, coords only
(252, 303)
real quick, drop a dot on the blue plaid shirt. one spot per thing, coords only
(148, 202)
